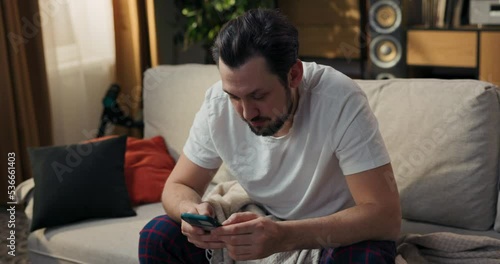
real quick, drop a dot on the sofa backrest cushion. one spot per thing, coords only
(172, 97)
(497, 221)
(443, 139)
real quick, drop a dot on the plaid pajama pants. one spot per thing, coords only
(161, 241)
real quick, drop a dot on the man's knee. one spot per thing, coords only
(159, 229)
(154, 237)
(161, 241)
(379, 252)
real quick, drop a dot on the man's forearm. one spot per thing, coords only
(177, 198)
(359, 223)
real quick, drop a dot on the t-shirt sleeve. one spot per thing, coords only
(359, 144)
(199, 147)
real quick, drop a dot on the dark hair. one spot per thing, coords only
(259, 32)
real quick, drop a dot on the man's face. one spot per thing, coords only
(258, 96)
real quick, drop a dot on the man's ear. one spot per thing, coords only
(295, 74)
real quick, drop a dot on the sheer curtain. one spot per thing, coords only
(79, 45)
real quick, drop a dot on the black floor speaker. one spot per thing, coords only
(386, 40)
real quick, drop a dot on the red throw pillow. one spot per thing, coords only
(147, 166)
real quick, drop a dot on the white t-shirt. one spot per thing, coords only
(302, 174)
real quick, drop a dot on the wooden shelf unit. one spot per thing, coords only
(472, 48)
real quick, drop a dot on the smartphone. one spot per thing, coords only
(206, 222)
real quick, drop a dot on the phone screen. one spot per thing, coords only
(206, 222)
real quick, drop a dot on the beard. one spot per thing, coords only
(275, 125)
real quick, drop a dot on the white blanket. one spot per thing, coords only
(449, 248)
(228, 198)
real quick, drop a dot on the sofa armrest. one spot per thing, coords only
(24, 194)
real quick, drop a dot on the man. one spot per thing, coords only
(301, 140)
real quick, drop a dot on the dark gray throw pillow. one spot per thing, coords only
(79, 182)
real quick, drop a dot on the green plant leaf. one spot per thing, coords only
(188, 13)
(204, 18)
(219, 7)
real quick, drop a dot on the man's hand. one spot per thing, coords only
(249, 236)
(197, 235)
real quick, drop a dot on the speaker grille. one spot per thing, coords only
(385, 51)
(385, 76)
(385, 16)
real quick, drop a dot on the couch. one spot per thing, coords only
(443, 137)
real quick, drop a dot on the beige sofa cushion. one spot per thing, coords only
(443, 138)
(96, 241)
(497, 221)
(172, 97)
